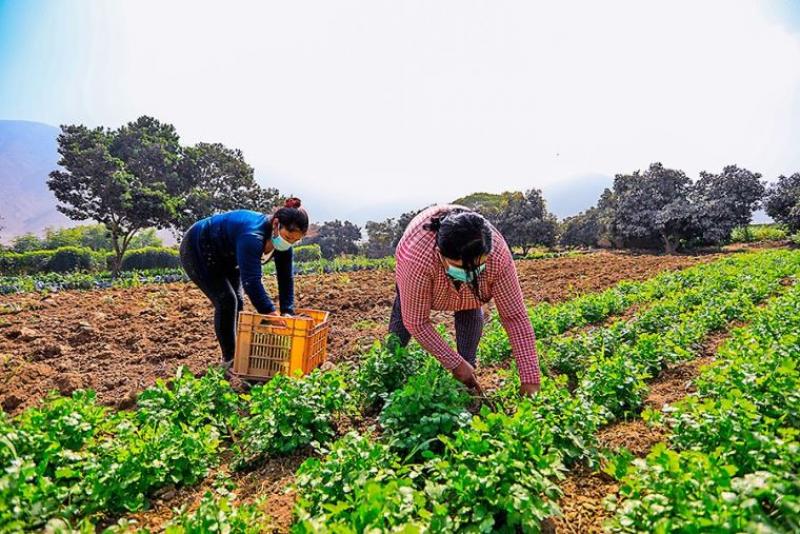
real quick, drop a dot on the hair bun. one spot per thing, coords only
(292, 202)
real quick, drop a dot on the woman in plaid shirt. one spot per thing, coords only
(452, 259)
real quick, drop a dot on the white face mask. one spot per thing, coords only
(280, 243)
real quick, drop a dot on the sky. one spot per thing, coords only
(365, 108)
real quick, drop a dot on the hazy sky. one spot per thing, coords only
(398, 103)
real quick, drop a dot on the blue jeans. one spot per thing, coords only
(220, 283)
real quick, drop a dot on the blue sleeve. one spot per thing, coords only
(283, 268)
(248, 256)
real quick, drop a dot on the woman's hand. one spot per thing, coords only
(274, 314)
(465, 374)
(529, 390)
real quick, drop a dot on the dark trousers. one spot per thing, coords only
(220, 283)
(469, 329)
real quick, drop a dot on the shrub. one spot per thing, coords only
(307, 253)
(758, 232)
(64, 259)
(151, 258)
(69, 259)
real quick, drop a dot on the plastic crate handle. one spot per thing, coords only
(274, 322)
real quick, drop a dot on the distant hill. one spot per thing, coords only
(28, 152)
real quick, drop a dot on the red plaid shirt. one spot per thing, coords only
(424, 286)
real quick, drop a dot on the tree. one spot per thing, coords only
(402, 223)
(126, 179)
(783, 202)
(217, 179)
(26, 243)
(606, 213)
(490, 205)
(653, 207)
(487, 204)
(139, 176)
(380, 238)
(146, 238)
(63, 237)
(725, 201)
(524, 221)
(95, 237)
(336, 238)
(582, 230)
(384, 236)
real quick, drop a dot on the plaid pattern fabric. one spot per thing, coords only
(423, 285)
(469, 328)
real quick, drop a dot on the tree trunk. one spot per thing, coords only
(120, 249)
(669, 248)
(117, 265)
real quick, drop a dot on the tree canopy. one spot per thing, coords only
(139, 176)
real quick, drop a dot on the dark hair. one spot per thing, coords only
(463, 235)
(292, 216)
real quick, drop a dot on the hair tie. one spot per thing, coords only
(292, 202)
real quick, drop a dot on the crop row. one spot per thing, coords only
(732, 463)
(435, 468)
(555, 319)
(72, 460)
(51, 282)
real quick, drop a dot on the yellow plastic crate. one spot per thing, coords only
(267, 345)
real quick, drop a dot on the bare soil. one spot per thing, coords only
(119, 341)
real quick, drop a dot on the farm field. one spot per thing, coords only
(388, 441)
(209, 212)
(119, 341)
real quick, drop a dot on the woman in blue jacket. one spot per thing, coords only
(224, 253)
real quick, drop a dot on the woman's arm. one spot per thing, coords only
(507, 295)
(283, 269)
(248, 256)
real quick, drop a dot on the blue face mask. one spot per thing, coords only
(460, 274)
(280, 243)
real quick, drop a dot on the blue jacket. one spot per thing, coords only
(238, 238)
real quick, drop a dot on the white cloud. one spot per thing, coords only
(390, 102)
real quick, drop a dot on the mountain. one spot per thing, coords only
(28, 152)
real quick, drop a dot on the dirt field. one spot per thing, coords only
(119, 341)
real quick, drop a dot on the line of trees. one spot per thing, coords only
(92, 236)
(659, 208)
(139, 177)
(663, 208)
